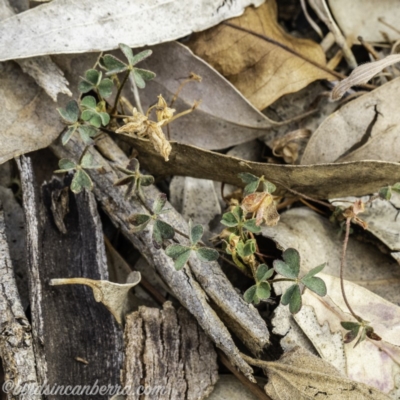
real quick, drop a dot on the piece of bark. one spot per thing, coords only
(196, 283)
(68, 325)
(16, 350)
(168, 355)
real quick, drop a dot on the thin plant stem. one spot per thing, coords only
(342, 266)
(119, 92)
(136, 95)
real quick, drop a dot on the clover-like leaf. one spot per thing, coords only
(87, 162)
(229, 219)
(396, 187)
(134, 59)
(113, 65)
(87, 132)
(159, 203)
(195, 232)
(251, 181)
(292, 296)
(180, 254)
(263, 273)
(65, 165)
(139, 222)
(92, 112)
(317, 285)
(263, 291)
(246, 249)
(251, 226)
(162, 231)
(290, 267)
(68, 134)
(141, 76)
(80, 181)
(385, 193)
(71, 112)
(268, 187)
(250, 295)
(206, 254)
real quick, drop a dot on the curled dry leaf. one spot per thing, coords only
(262, 205)
(262, 71)
(366, 18)
(366, 128)
(62, 27)
(113, 295)
(302, 376)
(363, 74)
(320, 181)
(288, 146)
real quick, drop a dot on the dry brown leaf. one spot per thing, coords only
(363, 74)
(113, 295)
(366, 128)
(262, 71)
(302, 376)
(319, 181)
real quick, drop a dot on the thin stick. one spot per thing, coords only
(253, 387)
(342, 266)
(119, 92)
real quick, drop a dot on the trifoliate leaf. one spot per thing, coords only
(317, 285)
(292, 258)
(292, 296)
(71, 112)
(159, 203)
(285, 270)
(315, 271)
(251, 226)
(80, 181)
(89, 102)
(87, 132)
(250, 293)
(140, 83)
(92, 117)
(182, 260)
(68, 134)
(385, 193)
(250, 188)
(238, 213)
(228, 219)
(87, 162)
(246, 177)
(263, 273)
(139, 221)
(207, 254)
(66, 165)
(348, 325)
(113, 65)
(145, 74)
(161, 231)
(105, 87)
(105, 118)
(263, 291)
(269, 187)
(175, 250)
(140, 57)
(195, 232)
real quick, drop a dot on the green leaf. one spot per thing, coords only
(146, 180)
(269, 187)
(159, 203)
(250, 293)
(285, 270)
(349, 326)
(292, 297)
(229, 219)
(175, 250)
(85, 87)
(385, 193)
(139, 222)
(396, 187)
(317, 285)
(93, 76)
(113, 65)
(162, 231)
(68, 134)
(145, 74)
(207, 254)
(263, 273)
(315, 271)
(292, 258)
(127, 52)
(238, 213)
(182, 260)
(87, 132)
(251, 226)
(248, 178)
(89, 102)
(362, 337)
(105, 87)
(105, 118)
(140, 56)
(140, 83)
(263, 291)
(71, 112)
(351, 335)
(195, 232)
(250, 188)
(124, 181)
(81, 180)
(87, 161)
(66, 165)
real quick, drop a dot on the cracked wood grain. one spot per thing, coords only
(195, 285)
(16, 348)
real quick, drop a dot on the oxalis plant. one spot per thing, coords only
(90, 116)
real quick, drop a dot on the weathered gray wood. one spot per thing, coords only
(193, 286)
(168, 354)
(76, 339)
(16, 350)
